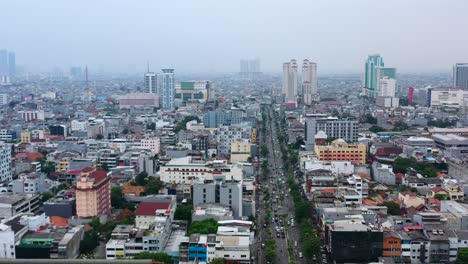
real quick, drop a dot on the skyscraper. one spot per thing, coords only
(386, 81)
(460, 75)
(3, 62)
(12, 64)
(250, 68)
(150, 82)
(290, 81)
(309, 82)
(370, 79)
(167, 89)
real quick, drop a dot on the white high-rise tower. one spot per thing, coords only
(290, 81)
(309, 82)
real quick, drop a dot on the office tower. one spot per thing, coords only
(150, 82)
(167, 89)
(244, 66)
(460, 75)
(386, 82)
(5, 162)
(290, 81)
(410, 95)
(309, 82)
(254, 66)
(333, 127)
(211, 90)
(3, 62)
(12, 64)
(370, 76)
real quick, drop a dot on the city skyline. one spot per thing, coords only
(338, 36)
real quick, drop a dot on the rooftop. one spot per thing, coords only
(149, 208)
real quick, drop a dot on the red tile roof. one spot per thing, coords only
(149, 208)
(98, 176)
(438, 189)
(29, 155)
(87, 169)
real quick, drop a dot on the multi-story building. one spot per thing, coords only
(14, 204)
(219, 191)
(448, 96)
(370, 76)
(233, 133)
(58, 130)
(150, 82)
(386, 82)
(77, 125)
(460, 75)
(167, 88)
(309, 82)
(333, 127)
(5, 162)
(152, 144)
(181, 170)
(213, 119)
(138, 100)
(7, 242)
(352, 241)
(31, 115)
(93, 194)
(290, 81)
(3, 99)
(240, 151)
(340, 150)
(446, 142)
(193, 90)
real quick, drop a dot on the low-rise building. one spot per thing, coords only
(342, 151)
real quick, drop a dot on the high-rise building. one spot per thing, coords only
(333, 127)
(5, 162)
(11, 64)
(76, 72)
(250, 68)
(309, 82)
(167, 89)
(387, 87)
(460, 75)
(3, 62)
(150, 82)
(410, 95)
(370, 76)
(290, 81)
(93, 194)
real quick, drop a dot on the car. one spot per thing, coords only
(263, 245)
(265, 225)
(277, 235)
(300, 255)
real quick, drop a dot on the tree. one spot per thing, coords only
(125, 131)
(440, 196)
(183, 212)
(393, 207)
(100, 137)
(181, 125)
(462, 256)
(264, 150)
(89, 242)
(151, 126)
(161, 257)
(207, 226)
(117, 198)
(153, 185)
(104, 167)
(141, 178)
(400, 126)
(330, 139)
(217, 261)
(370, 119)
(12, 104)
(376, 129)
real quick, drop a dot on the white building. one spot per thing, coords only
(309, 82)
(290, 81)
(3, 99)
(383, 173)
(229, 134)
(181, 170)
(150, 82)
(7, 242)
(448, 97)
(152, 144)
(386, 87)
(77, 125)
(31, 115)
(5, 162)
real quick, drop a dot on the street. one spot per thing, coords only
(281, 226)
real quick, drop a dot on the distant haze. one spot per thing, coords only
(212, 36)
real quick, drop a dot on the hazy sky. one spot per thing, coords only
(213, 35)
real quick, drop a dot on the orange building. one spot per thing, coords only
(93, 194)
(132, 190)
(391, 245)
(341, 150)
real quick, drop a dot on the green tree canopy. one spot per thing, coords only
(207, 226)
(183, 212)
(393, 207)
(161, 257)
